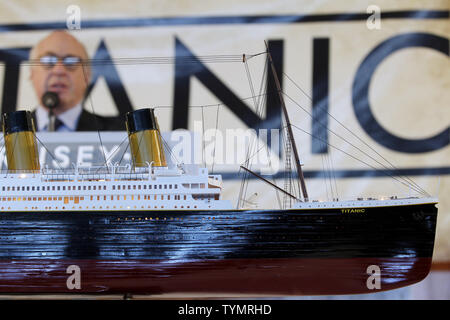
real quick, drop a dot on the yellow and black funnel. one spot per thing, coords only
(20, 142)
(145, 138)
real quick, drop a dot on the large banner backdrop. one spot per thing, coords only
(366, 81)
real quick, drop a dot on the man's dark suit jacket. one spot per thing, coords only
(91, 122)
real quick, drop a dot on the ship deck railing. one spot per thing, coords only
(93, 175)
(110, 173)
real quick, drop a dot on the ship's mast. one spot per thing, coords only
(289, 128)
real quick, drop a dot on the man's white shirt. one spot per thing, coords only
(68, 118)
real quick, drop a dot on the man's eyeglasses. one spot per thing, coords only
(70, 62)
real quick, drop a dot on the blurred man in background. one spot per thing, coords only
(60, 65)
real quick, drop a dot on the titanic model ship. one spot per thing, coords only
(158, 229)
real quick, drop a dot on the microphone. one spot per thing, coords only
(51, 101)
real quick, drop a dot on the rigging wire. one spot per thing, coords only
(287, 168)
(223, 59)
(324, 170)
(406, 178)
(264, 86)
(250, 157)
(215, 139)
(244, 182)
(333, 172)
(168, 148)
(89, 97)
(189, 59)
(203, 138)
(144, 60)
(123, 154)
(351, 144)
(330, 175)
(252, 143)
(3, 146)
(117, 149)
(51, 155)
(14, 148)
(138, 148)
(348, 154)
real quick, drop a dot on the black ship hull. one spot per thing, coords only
(270, 252)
